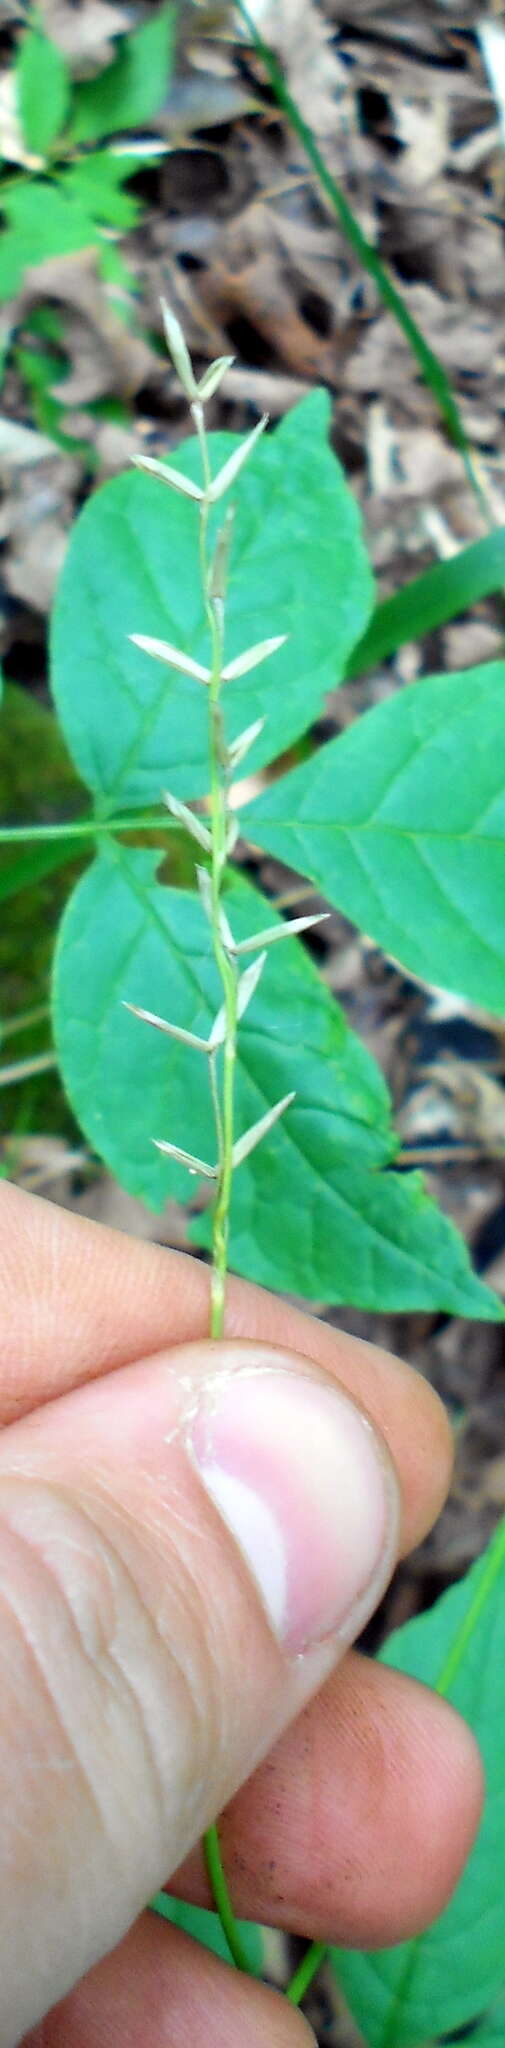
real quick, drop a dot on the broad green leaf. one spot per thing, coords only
(409, 1995)
(443, 592)
(489, 2034)
(96, 182)
(44, 220)
(401, 822)
(206, 1928)
(43, 89)
(41, 223)
(36, 777)
(344, 1229)
(297, 566)
(133, 87)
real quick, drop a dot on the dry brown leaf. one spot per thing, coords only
(203, 101)
(477, 1102)
(303, 39)
(249, 277)
(85, 32)
(34, 560)
(21, 446)
(423, 128)
(104, 355)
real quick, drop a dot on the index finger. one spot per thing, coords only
(78, 1300)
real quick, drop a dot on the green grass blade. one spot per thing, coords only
(430, 600)
(431, 368)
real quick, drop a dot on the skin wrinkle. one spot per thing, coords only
(201, 1706)
(43, 1684)
(196, 1692)
(199, 1674)
(100, 1654)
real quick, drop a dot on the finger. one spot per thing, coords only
(172, 1537)
(78, 1300)
(159, 1990)
(356, 1828)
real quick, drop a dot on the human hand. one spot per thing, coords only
(142, 1680)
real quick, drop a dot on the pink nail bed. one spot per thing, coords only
(305, 1486)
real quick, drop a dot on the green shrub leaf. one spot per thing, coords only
(43, 89)
(133, 87)
(445, 591)
(490, 2033)
(406, 1996)
(401, 822)
(96, 182)
(49, 220)
(297, 566)
(344, 1229)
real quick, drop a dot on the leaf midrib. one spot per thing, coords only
(142, 891)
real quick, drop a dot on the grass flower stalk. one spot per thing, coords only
(216, 834)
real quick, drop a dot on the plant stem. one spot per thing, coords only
(310, 1963)
(222, 1900)
(213, 583)
(228, 975)
(223, 1099)
(213, 593)
(85, 828)
(221, 1047)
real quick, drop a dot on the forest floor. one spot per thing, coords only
(236, 234)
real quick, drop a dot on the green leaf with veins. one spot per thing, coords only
(96, 182)
(297, 566)
(489, 2033)
(45, 220)
(131, 90)
(43, 86)
(401, 823)
(410, 1995)
(345, 1228)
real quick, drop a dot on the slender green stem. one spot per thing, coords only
(85, 828)
(228, 975)
(223, 1099)
(223, 1045)
(307, 1969)
(222, 1900)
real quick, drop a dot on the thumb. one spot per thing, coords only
(186, 1549)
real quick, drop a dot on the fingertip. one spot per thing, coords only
(160, 1987)
(431, 1454)
(452, 1791)
(434, 1778)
